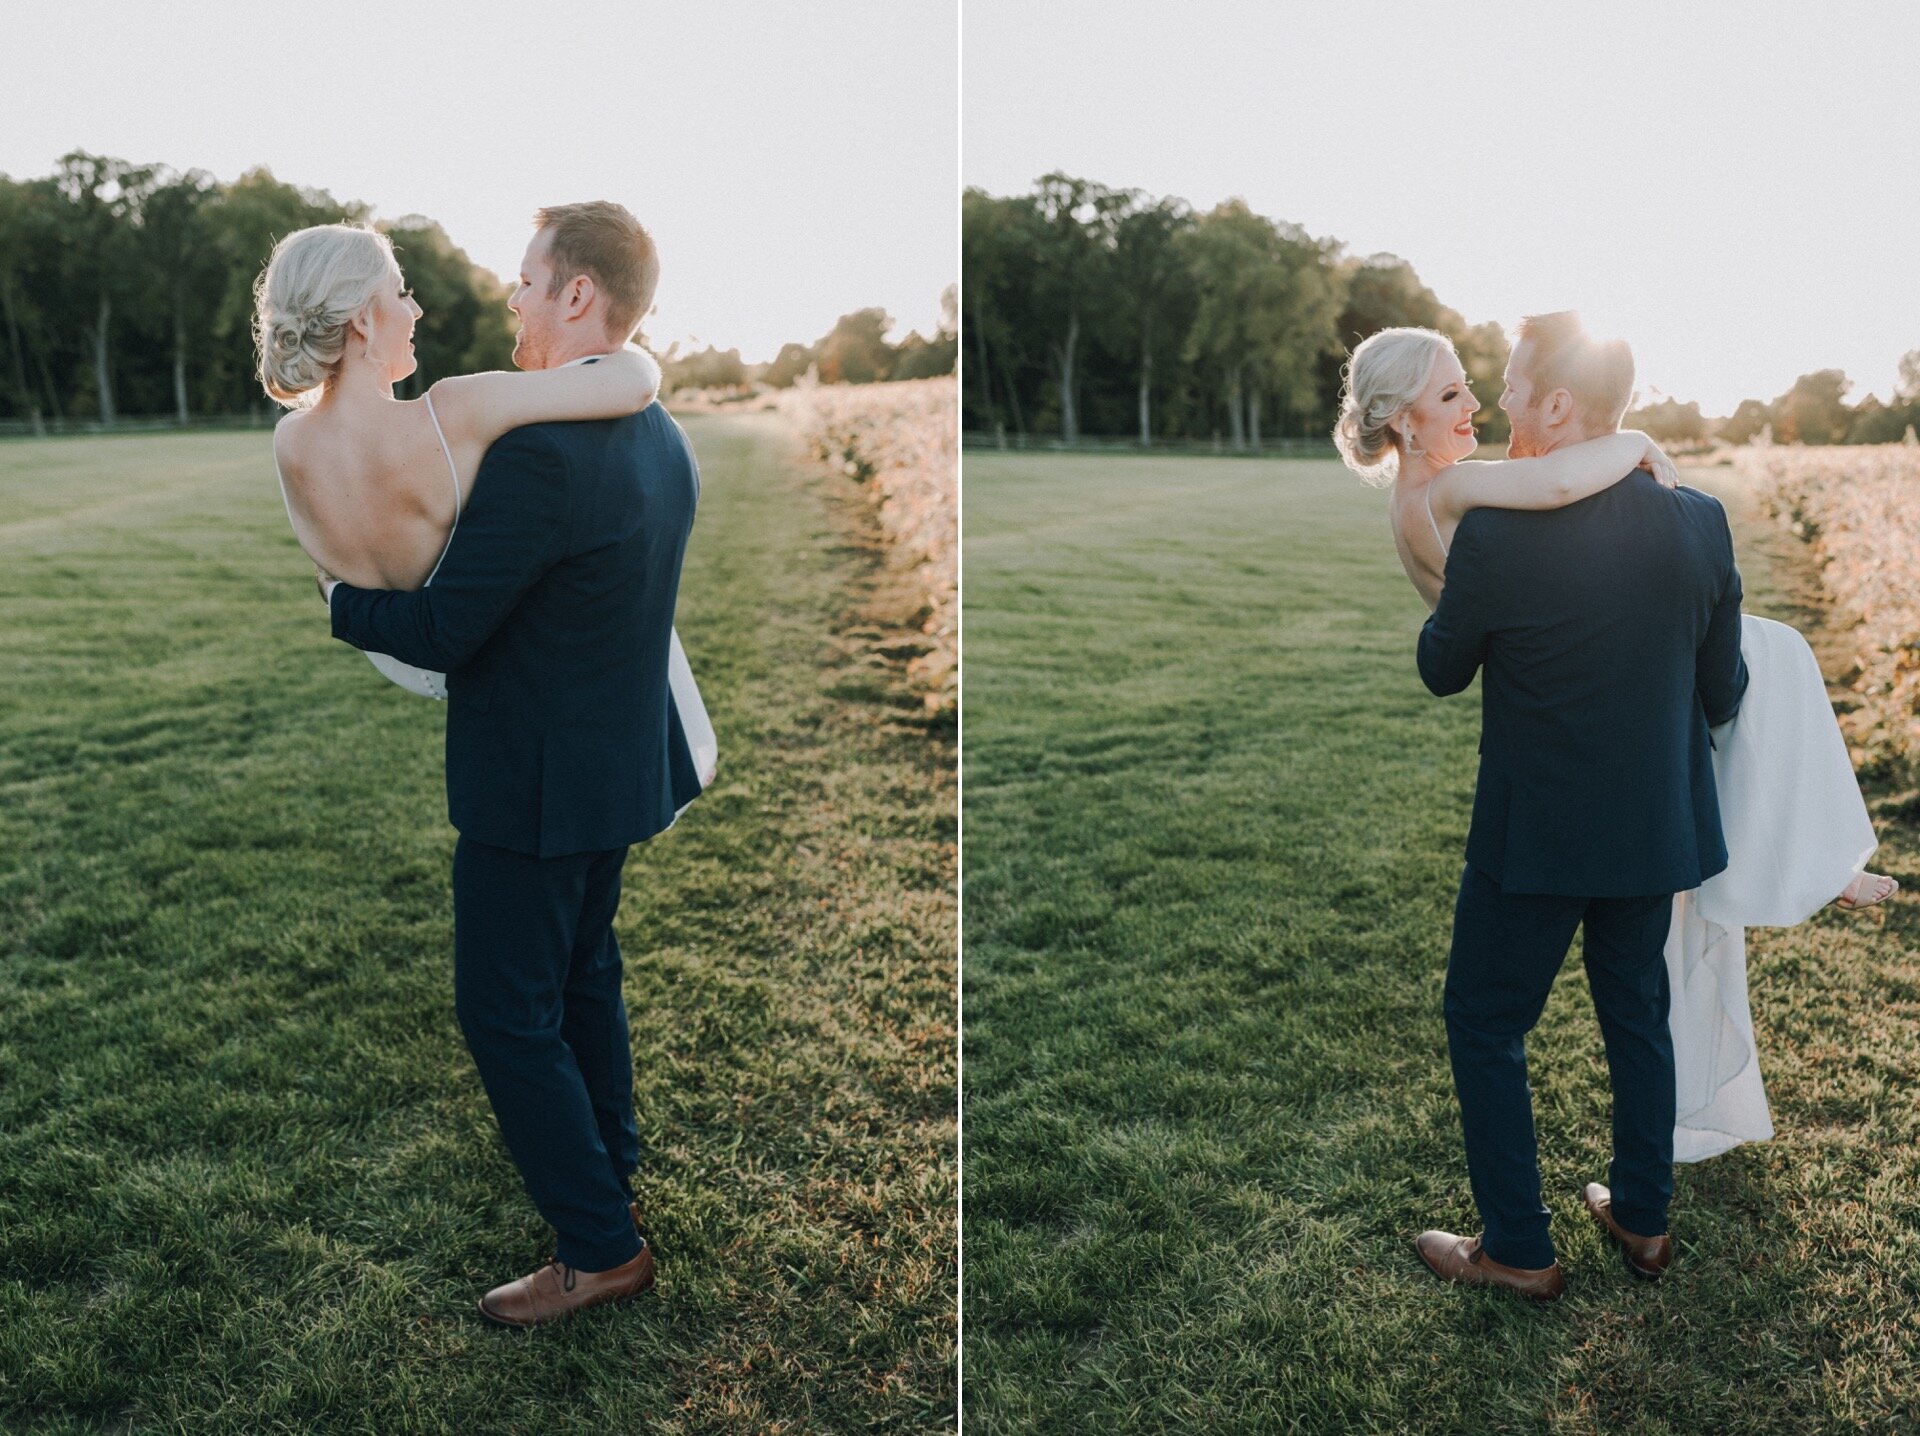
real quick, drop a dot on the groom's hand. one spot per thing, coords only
(324, 581)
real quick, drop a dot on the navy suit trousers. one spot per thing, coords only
(1507, 949)
(536, 986)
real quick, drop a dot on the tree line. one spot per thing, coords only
(854, 351)
(1814, 410)
(1095, 310)
(128, 290)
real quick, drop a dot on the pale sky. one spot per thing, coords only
(793, 161)
(1731, 187)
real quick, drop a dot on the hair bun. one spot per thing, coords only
(1366, 442)
(1385, 375)
(304, 301)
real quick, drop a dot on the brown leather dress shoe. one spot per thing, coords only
(558, 1290)
(1646, 1257)
(1453, 1258)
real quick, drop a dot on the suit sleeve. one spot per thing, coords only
(513, 531)
(1720, 673)
(1453, 644)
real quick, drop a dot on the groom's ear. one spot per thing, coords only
(580, 293)
(1560, 407)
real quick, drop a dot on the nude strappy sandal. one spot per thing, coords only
(1847, 904)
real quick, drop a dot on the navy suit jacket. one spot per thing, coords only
(1608, 633)
(551, 617)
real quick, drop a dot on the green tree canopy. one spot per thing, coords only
(1746, 421)
(1090, 305)
(1668, 420)
(1906, 389)
(1268, 305)
(1154, 296)
(1814, 410)
(855, 350)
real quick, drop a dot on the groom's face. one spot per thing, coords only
(538, 310)
(1520, 404)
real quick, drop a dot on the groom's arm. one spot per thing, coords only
(514, 530)
(1720, 673)
(1453, 644)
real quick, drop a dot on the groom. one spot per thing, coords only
(551, 616)
(1607, 634)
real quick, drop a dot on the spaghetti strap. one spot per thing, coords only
(453, 474)
(1426, 495)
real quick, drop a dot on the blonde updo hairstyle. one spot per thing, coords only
(1383, 378)
(315, 282)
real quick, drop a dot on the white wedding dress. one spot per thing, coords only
(1797, 833)
(694, 722)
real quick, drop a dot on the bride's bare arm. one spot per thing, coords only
(1550, 481)
(479, 408)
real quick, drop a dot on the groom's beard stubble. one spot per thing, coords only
(1521, 444)
(530, 350)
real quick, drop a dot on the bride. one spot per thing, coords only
(374, 486)
(1797, 832)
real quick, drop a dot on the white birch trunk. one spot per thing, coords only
(986, 374)
(1069, 419)
(1146, 384)
(180, 367)
(103, 376)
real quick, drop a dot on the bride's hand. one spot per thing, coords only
(1656, 462)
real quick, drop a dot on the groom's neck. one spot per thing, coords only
(1578, 435)
(572, 347)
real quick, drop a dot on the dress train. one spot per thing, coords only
(1797, 832)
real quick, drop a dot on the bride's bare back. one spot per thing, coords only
(1417, 540)
(371, 499)
(367, 481)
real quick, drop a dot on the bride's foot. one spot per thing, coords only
(1866, 890)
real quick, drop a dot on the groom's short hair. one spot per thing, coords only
(603, 241)
(1598, 373)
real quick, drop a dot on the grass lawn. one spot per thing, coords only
(1214, 826)
(249, 1181)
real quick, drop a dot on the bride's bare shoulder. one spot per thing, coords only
(376, 440)
(320, 456)
(293, 441)
(1397, 498)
